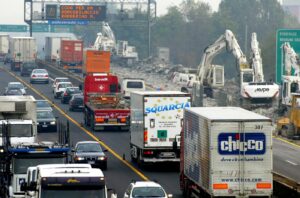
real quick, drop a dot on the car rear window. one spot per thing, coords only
(134, 84)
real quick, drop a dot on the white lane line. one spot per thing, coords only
(293, 163)
(51, 79)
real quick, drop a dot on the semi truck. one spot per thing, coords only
(104, 105)
(65, 180)
(96, 61)
(71, 55)
(156, 121)
(4, 46)
(22, 49)
(226, 152)
(19, 113)
(52, 48)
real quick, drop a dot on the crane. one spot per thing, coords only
(291, 78)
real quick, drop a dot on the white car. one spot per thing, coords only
(59, 79)
(16, 85)
(60, 88)
(39, 75)
(145, 189)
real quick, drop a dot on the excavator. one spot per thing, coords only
(252, 85)
(105, 40)
(258, 93)
(291, 77)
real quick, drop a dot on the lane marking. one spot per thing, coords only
(144, 177)
(293, 163)
(286, 141)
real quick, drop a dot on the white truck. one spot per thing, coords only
(132, 84)
(226, 152)
(52, 48)
(156, 121)
(4, 46)
(65, 180)
(19, 113)
(22, 49)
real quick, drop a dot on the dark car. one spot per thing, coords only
(90, 152)
(27, 67)
(46, 121)
(68, 93)
(7, 59)
(13, 92)
(76, 102)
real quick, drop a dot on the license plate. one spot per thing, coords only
(91, 162)
(80, 106)
(167, 154)
(44, 125)
(112, 121)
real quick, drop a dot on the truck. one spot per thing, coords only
(52, 48)
(19, 113)
(125, 53)
(65, 180)
(156, 121)
(226, 152)
(4, 46)
(104, 105)
(22, 49)
(96, 61)
(71, 55)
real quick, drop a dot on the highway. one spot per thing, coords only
(118, 175)
(286, 156)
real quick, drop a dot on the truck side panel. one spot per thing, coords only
(96, 61)
(137, 120)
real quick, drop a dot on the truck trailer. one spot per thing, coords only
(52, 48)
(156, 122)
(96, 61)
(4, 46)
(22, 49)
(104, 105)
(226, 152)
(71, 55)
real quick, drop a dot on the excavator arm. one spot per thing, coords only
(256, 61)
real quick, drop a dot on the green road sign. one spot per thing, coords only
(285, 35)
(61, 28)
(40, 27)
(13, 28)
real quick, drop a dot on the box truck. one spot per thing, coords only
(22, 49)
(226, 152)
(156, 121)
(4, 46)
(71, 55)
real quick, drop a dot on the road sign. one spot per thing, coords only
(85, 12)
(61, 28)
(285, 35)
(51, 12)
(40, 27)
(68, 22)
(13, 28)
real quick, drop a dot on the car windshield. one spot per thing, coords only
(72, 191)
(20, 130)
(62, 80)
(148, 192)
(15, 85)
(64, 85)
(89, 147)
(135, 84)
(44, 115)
(42, 103)
(40, 71)
(73, 90)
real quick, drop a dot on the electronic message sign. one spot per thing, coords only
(82, 12)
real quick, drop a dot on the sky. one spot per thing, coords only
(12, 11)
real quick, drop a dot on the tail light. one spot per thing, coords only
(33, 76)
(123, 120)
(46, 75)
(145, 136)
(99, 119)
(65, 94)
(148, 152)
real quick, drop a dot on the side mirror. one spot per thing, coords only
(105, 150)
(175, 145)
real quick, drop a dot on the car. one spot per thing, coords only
(16, 85)
(145, 189)
(90, 152)
(46, 121)
(27, 67)
(76, 102)
(7, 59)
(59, 79)
(68, 93)
(60, 88)
(43, 105)
(39, 75)
(13, 92)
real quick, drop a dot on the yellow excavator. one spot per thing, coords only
(289, 126)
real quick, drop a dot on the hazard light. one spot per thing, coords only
(99, 119)
(264, 185)
(123, 120)
(220, 186)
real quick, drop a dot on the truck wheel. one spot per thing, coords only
(86, 119)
